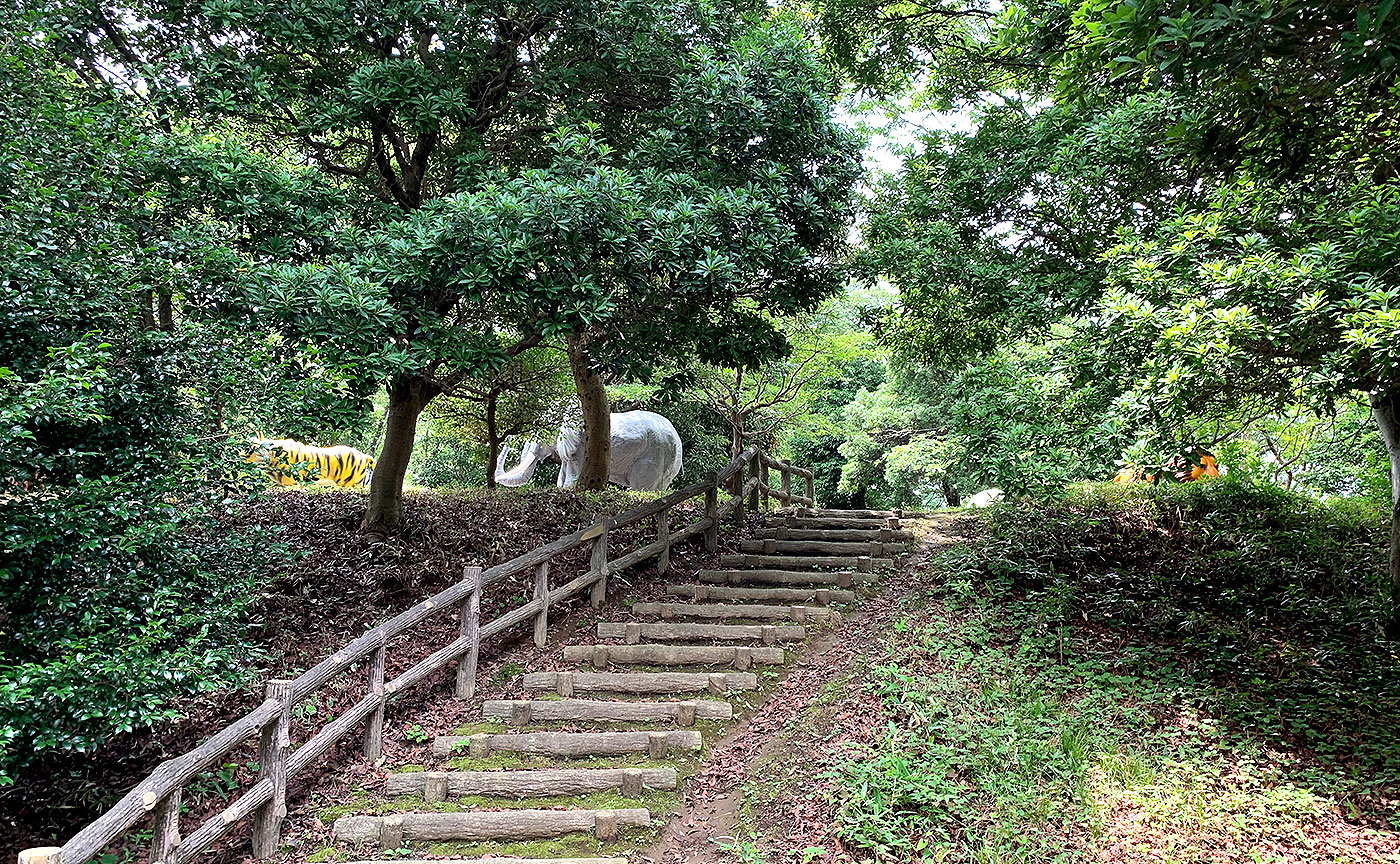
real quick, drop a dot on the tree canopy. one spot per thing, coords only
(1206, 194)
(567, 171)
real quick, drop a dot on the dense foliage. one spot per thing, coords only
(543, 173)
(116, 591)
(1190, 209)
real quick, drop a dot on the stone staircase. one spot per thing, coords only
(638, 708)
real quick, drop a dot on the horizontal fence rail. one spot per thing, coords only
(746, 484)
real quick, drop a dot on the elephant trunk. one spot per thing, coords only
(530, 456)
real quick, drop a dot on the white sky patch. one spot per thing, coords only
(894, 133)
(893, 136)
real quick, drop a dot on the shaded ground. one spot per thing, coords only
(339, 585)
(956, 717)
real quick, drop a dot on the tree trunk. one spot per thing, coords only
(1385, 406)
(408, 397)
(736, 446)
(493, 442)
(950, 492)
(147, 314)
(597, 421)
(166, 310)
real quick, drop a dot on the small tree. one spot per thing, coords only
(756, 402)
(528, 395)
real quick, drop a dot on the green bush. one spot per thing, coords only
(121, 585)
(112, 608)
(445, 462)
(1276, 599)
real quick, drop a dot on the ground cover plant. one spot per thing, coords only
(1188, 673)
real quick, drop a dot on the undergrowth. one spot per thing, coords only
(1179, 673)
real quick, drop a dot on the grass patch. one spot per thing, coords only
(993, 748)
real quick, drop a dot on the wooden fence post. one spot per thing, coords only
(663, 536)
(598, 563)
(166, 839)
(374, 724)
(542, 598)
(739, 492)
(755, 471)
(767, 475)
(470, 630)
(811, 488)
(787, 485)
(273, 749)
(712, 511)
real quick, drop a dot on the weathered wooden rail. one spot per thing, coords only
(743, 481)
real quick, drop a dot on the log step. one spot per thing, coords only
(830, 524)
(635, 632)
(392, 832)
(523, 712)
(493, 861)
(754, 611)
(568, 683)
(784, 577)
(674, 655)
(819, 596)
(873, 548)
(802, 512)
(863, 563)
(567, 745)
(439, 786)
(848, 535)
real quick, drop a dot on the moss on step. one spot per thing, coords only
(577, 845)
(359, 803)
(683, 761)
(709, 729)
(493, 727)
(655, 800)
(609, 696)
(507, 672)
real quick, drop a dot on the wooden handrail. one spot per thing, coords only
(169, 775)
(160, 791)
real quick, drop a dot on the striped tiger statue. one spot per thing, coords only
(290, 462)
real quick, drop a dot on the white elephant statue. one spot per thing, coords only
(646, 454)
(986, 498)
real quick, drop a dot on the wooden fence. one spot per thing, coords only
(743, 481)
